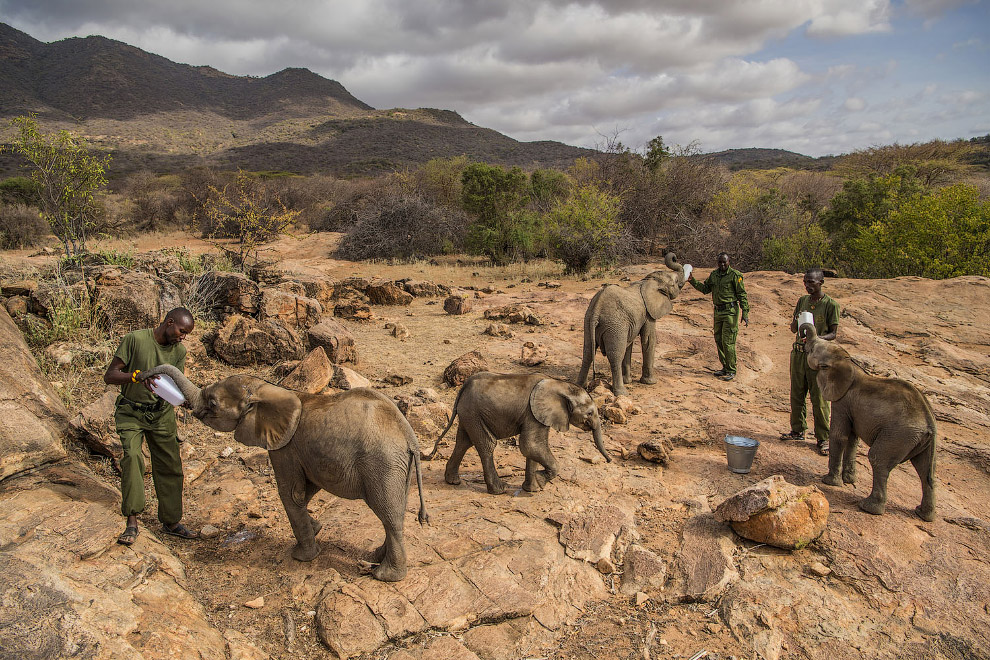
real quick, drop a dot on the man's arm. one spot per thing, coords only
(743, 300)
(117, 374)
(705, 287)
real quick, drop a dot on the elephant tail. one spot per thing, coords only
(423, 516)
(450, 422)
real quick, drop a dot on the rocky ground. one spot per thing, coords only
(549, 574)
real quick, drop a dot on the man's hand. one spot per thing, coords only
(745, 321)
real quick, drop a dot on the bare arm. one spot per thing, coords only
(117, 374)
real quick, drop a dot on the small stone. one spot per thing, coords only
(400, 332)
(605, 566)
(255, 604)
(227, 452)
(641, 598)
(615, 415)
(819, 569)
(209, 532)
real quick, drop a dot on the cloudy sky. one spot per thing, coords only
(812, 76)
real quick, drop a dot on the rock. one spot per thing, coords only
(641, 599)
(819, 569)
(347, 626)
(512, 314)
(256, 604)
(704, 567)
(777, 513)
(22, 288)
(353, 310)
(533, 354)
(95, 426)
(69, 353)
(400, 332)
(464, 367)
(243, 341)
(383, 292)
(33, 419)
(614, 414)
(425, 289)
(209, 532)
(132, 301)
(312, 374)
(218, 294)
(240, 647)
(291, 286)
(551, 284)
(348, 379)
(595, 533)
(656, 450)
(292, 310)
(336, 340)
(397, 380)
(628, 406)
(17, 305)
(319, 288)
(254, 458)
(642, 570)
(498, 330)
(457, 304)
(226, 452)
(428, 419)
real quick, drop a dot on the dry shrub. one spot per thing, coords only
(403, 226)
(346, 209)
(21, 226)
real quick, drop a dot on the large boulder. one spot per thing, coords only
(457, 304)
(464, 367)
(218, 294)
(425, 289)
(320, 288)
(33, 419)
(129, 300)
(384, 292)
(243, 341)
(776, 513)
(291, 310)
(335, 339)
(312, 374)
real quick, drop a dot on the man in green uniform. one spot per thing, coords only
(728, 295)
(804, 380)
(140, 415)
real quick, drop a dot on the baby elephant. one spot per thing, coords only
(891, 416)
(356, 445)
(496, 406)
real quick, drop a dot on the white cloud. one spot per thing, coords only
(854, 104)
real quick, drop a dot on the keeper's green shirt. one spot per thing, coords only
(139, 350)
(725, 289)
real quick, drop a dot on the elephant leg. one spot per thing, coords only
(537, 452)
(849, 459)
(840, 437)
(486, 449)
(388, 501)
(924, 464)
(296, 491)
(587, 357)
(452, 472)
(648, 340)
(876, 503)
(311, 490)
(616, 361)
(627, 364)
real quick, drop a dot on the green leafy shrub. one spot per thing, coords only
(797, 252)
(502, 230)
(586, 230)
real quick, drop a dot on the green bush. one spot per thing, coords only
(502, 230)
(586, 230)
(797, 252)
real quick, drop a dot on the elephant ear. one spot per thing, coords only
(550, 404)
(836, 373)
(657, 293)
(271, 418)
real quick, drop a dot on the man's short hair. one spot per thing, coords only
(721, 254)
(815, 272)
(180, 315)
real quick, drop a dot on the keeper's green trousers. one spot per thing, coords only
(804, 381)
(726, 331)
(159, 429)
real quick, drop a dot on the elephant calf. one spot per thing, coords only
(356, 445)
(891, 416)
(496, 406)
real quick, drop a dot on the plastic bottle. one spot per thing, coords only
(687, 272)
(166, 388)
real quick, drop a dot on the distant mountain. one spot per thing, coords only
(768, 159)
(152, 113)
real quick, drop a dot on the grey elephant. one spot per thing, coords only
(890, 415)
(617, 315)
(356, 445)
(496, 406)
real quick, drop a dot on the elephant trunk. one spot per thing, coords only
(189, 390)
(596, 433)
(807, 330)
(670, 259)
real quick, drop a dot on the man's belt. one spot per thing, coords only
(726, 307)
(144, 407)
(799, 347)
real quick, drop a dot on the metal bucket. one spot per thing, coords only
(739, 453)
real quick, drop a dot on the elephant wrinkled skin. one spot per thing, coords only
(496, 406)
(617, 315)
(356, 445)
(890, 415)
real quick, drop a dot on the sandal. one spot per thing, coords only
(823, 448)
(793, 435)
(129, 536)
(180, 530)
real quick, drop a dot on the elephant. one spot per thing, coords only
(616, 315)
(890, 415)
(355, 444)
(496, 406)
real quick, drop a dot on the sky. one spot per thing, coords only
(813, 76)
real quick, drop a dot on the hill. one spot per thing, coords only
(768, 159)
(152, 113)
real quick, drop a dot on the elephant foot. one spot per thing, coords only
(539, 480)
(648, 380)
(387, 573)
(925, 513)
(497, 487)
(378, 556)
(531, 486)
(848, 477)
(870, 505)
(305, 552)
(832, 480)
(618, 390)
(453, 480)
